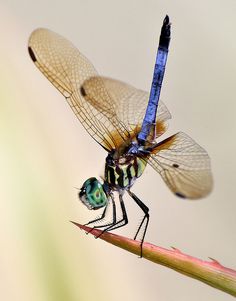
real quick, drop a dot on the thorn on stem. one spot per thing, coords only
(214, 261)
(175, 249)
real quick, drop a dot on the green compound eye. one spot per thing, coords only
(92, 194)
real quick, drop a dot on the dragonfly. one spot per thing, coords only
(126, 122)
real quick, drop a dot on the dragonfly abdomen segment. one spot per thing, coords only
(123, 175)
(148, 130)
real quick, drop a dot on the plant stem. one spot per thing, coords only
(210, 272)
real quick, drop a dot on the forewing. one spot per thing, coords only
(183, 165)
(131, 103)
(68, 70)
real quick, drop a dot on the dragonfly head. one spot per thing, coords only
(92, 194)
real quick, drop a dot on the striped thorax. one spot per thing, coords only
(121, 173)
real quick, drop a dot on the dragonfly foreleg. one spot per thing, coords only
(122, 222)
(145, 218)
(99, 218)
(103, 217)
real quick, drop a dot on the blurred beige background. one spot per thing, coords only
(45, 152)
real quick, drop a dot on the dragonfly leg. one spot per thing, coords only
(122, 222)
(102, 217)
(145, 218)
(99, 218)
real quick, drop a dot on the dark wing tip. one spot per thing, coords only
(180, 195)
(32, 55)
(82, 91)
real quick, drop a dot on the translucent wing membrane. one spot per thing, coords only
(183, 165)
(109, 110)
(124, 106)
(68, 69)
(131, 103)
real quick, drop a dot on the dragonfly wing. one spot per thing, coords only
(183, 165)
(110, 111)
(131, 103)
(68, 70)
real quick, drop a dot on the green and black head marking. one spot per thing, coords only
(93, 195)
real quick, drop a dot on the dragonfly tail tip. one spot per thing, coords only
(166, 21)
